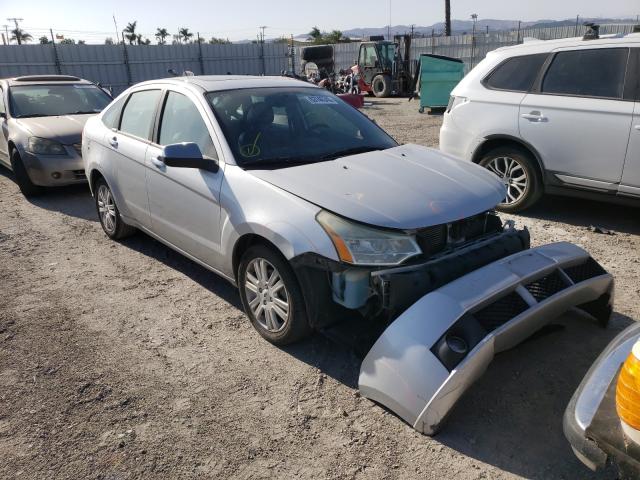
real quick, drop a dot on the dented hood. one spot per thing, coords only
(405, 187)
(66, 129)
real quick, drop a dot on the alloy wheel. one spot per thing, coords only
(107, 209)
(267, 295)
(513, 176)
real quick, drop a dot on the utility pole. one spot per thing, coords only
(6, 31)
(474, 17)
(577, 22)
(389, 27)
(261, 36)
(447, 18)
(412, 28)
(15, 21)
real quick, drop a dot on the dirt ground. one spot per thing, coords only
(126, 360)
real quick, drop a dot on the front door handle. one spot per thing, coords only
(113, 141)
(637, 127)
(158, 163)
(534, 116)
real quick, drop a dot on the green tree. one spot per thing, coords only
(130, 32)
(44, 40)
(68, 41)
(315, 35)
(82, 42)
(185, 34)
(108, 41)
(20, 36)
(219, 41)
(335, 36)
(161, 35)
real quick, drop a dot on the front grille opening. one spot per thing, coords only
(79, 174)
(585, 271)
(432, 239)
(547, 286)
(501, 311)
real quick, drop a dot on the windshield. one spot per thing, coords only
(267, 127)
(387, 54)
(52, 100)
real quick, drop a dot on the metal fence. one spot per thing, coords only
(119, 66)
(473, 48)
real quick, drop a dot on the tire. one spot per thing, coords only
(381, 86)
(108, 213)
(278, 324)
(27, 187)
(524, 182)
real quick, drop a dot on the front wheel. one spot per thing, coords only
(519, 174)
(381, 86)
(27, 187)
(271, 296)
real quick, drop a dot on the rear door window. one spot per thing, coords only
(596, 73)
(139, 113)
(111, 117)
(517, 74)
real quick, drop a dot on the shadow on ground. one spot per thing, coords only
(584, 213)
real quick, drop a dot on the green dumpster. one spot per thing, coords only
(437, 77)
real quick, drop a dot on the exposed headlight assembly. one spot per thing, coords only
(44, 146)
(361, 245)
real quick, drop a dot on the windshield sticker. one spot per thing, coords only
(321, 100)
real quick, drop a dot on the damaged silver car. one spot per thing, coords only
(325, 223)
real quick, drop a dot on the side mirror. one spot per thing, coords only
(187, 155)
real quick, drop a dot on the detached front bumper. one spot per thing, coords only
(428, 357)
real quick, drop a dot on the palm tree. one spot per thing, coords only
(334, 37)
(447, 18)
(315, 35)
(44, 40)
(20, 36)
(161, 35)
(185, 34)
(130, 32)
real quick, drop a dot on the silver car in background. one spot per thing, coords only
(325, 223)
(41, 120)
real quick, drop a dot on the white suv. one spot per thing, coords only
(559, 116)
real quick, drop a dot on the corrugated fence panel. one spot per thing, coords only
(118, 66)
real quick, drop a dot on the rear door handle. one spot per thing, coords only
(534, 117)
(158, 163)
(113, 142)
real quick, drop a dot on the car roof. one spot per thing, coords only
(229, 82)
(542, 46)
(46, 80)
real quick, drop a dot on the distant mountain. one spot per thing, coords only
(466, 26)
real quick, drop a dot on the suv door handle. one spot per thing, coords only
(534, 116)
(113, 142)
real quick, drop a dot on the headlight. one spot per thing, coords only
(43, 146)
(362, 245)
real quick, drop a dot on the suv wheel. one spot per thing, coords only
(518, 172)
(108, 212)
(27, 187)
(271, 296)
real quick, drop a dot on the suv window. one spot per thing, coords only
(182, 122)
(111, 117)
(587, 73)
(517, 73)
(139, 113)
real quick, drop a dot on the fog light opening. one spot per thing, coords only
(457, 344)
(56, 175)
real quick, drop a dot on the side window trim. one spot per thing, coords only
(151, 129)
(552, 57)
(157, 121)
(117, 126)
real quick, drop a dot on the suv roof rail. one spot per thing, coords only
(593, 31)
(47, 78)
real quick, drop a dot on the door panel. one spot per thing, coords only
(631, 176)
(185, 202)
(582, 137)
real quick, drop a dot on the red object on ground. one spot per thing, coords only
(356, 101)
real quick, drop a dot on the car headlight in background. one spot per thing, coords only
(628, 394)
(44, 146)
(361, 245)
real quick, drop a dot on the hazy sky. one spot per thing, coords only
(239, 19)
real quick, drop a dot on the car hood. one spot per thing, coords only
(66, 129)
(404, 187)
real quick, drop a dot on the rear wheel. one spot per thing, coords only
(27, 187)
(381, 86)
(108, 212)
(519, 174)
(271, 296)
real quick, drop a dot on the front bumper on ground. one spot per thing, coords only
(55, 170)
(428, 357)
(593, 406)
